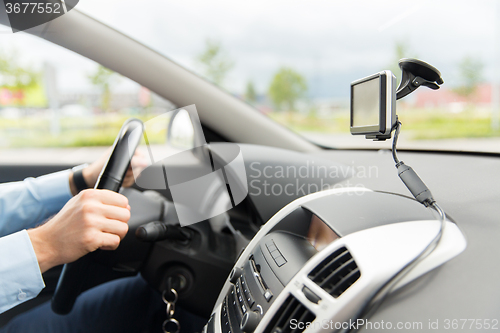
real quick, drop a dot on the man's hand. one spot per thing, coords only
(91, 173)
(93, 219)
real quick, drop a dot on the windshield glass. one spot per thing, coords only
(294, 61)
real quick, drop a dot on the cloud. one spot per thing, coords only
(317, 38)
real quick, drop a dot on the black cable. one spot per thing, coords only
(423, 195)
(381, 294)
(395, 140)
(408, 176)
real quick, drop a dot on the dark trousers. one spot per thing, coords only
(124, 305)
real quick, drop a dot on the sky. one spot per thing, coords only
(331, 43)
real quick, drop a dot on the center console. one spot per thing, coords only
(321, 257)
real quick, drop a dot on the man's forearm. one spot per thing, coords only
(30, 202)
(46, 256)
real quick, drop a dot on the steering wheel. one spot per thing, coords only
(111, 178)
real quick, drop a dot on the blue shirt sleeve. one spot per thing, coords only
(30, 202)
(20, 277)
(24, 205)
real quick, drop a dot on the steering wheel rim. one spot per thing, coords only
(111, 178)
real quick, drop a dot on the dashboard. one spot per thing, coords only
(467, 193)
(313, 262)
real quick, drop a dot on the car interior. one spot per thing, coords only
(346, 240)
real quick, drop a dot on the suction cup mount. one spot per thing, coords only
(365, 99)
(417, 73)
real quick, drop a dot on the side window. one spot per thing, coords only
(52, 97)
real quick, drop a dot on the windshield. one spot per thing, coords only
(294, 61)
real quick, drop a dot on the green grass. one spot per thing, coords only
(310, 123)
(101, 130)
(420, 124)
(75, 132)
(439, 125)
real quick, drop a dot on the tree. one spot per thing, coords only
(470, 70)
(286, 88)
(215, 62)
(401, 50)
(104, 78)
(250, 93)
(14, 77)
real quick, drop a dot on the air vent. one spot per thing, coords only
(336, 273)
(288, 316)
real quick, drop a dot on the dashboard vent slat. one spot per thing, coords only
(290, 309)
(335, 260)
(336, 273)
(287, 313)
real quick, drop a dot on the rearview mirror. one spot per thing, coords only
(181, 133)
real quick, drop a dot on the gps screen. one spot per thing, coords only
(366, 103)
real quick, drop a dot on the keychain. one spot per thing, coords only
(170, 325)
